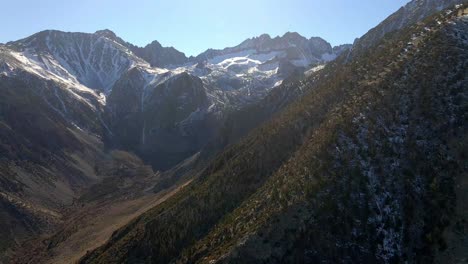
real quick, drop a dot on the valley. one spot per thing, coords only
(278, 150)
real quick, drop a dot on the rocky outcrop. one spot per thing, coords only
(159, 56)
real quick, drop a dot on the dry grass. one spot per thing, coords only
(101, 221)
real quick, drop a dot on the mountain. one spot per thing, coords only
(278, 150)
(159, 56)
(165, 123)
(291, 45)
(93, 60)
(75, 106)
(367, 167)
(101, 68)
(247, 72)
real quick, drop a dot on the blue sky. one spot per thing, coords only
(192, 26)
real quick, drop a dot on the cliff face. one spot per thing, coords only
(159, 56)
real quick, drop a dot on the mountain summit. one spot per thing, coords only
(291, 45)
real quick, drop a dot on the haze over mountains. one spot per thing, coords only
(278, 150)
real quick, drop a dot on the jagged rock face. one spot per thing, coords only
(159, 56)
(124, 110)
(177, 123)
(164, 123)
(247, 72)
(291, 45)
(319, 46)
(342, 48)
(108, 34)
(265, 43)
(176, 99)
(94, 60)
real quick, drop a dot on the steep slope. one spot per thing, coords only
(17, 65)
(239, 123)
(358, 171)
(409, 14)
(373, 184)
(45, 159)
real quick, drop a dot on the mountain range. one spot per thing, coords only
(278, 150)
(108, 74)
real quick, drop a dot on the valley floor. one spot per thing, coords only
(89, 227)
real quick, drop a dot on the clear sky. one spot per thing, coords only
(192, 26)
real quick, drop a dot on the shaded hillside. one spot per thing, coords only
(359, 170)
(46, 160)
(159, 56)
(40, 160)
